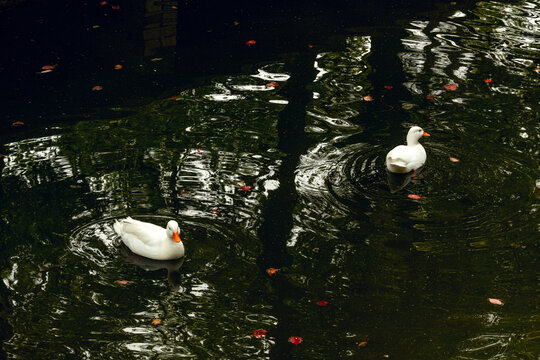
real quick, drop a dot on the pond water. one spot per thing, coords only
(277, 161)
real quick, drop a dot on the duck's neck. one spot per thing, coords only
(411, 141)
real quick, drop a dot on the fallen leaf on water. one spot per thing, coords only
(117, 67)
(259, 333)
(103, 3)
(488, 81)
(49, 67)
(123, 282)
(495, 301)
(156, 59)
(97, 88)
(429, 97)
(246, 188)
(388, 87)
(386, 355)
(1, 156)
(451, 87)
(17, 123)
(198, 150)
(368, 98)
(251, 42)
(156, 322)
(174, 7)
(271, 271)
(185, 192)
(236, 23)
(74, 186)
(295, 340)
(115, 7)
(537, 70)
(44, 71)
(172, 98)
(414, 196)
(272, 84)
(310, 46)
(362, 344)
(215, 211)
(322, 303)
(453, 159)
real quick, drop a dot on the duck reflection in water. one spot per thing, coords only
(397, 181)
(172, 266)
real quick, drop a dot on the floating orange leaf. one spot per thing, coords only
(430, 97)
(388, 87)
(368, 98)
(97, 88)
(453, 159)
(117, 67)
(272, 84)
(103, 3)
(156, 59)
(322, 303)
(451, 87)
(49, 67)
(1, 156)
(246, 188)
(310, 46)
(295, 340)
(259, 333)
(488, 81)
(362, 344)
(122, 282)
(115, 7)
(414, 196)
(537, 70)
(251, 42)
(236, 23)
(495, 301)
(174, 7)
(156, 322)
(271, 271)
(17, 123)
(173, 98)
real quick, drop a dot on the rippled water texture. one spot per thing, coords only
(411, 277)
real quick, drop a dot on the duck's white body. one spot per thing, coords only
(149, 240)
(406, 158)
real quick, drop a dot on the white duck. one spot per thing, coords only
(406, 158)
(149, 240)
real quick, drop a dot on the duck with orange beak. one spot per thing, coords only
(406, 158)
(149, 240)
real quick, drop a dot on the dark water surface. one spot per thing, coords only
(190, 121)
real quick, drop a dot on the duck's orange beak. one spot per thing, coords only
(425, 134)
(176, 237)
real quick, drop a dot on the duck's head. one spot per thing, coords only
(414, 134)
(173, 231)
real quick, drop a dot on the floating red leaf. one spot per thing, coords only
(388, 87)
(453, 159)
(488, 81)
(103, 3)
(295, 340)
(236, 23)
(246, 188)
(117, 67)
(1, 156)
(251, 42)
(414, 196)
(173, 98)
(495, 301)
(49, 67)
(97, 88)
(272, 84)
(122, 282)
(271, 271)
(451, 87)
(322, 303)
(368, 98)
(115, 7)
(259, 333)
(310, 46)
(198, 150)
(17, 123)
(363, 344)
(430, 97)
(156, 322)
(215, 211)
